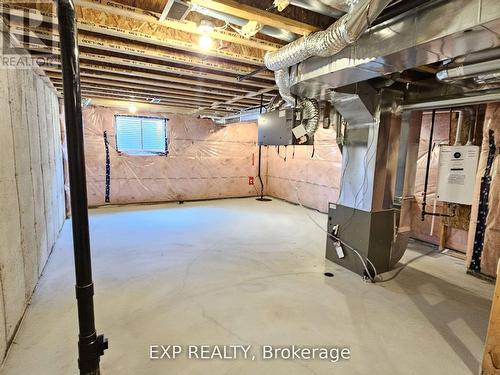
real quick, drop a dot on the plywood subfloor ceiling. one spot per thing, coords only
(130, 53)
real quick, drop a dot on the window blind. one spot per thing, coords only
(140, 135)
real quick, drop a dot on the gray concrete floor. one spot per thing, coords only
(245, 272)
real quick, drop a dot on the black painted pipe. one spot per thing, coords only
(431, 135)
(90, 346)
(260, 152)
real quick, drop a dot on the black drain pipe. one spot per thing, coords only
(261, 198)
(90, 346)
(429, 151)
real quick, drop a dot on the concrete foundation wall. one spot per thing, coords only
(31, 190)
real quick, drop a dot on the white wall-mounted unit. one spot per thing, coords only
(457, 173)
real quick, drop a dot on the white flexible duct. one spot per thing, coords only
(340, 34)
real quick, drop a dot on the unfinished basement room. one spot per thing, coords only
(250, 187)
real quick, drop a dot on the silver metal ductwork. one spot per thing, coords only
(373, 149)
(461, 72)
(427, 34)
(342, 5)
(325, 43)
(482, 67)
(335, 10)
(484, 79)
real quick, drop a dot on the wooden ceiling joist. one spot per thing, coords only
(131, 76)
(153, 91)
(126, 63)
(261, 16)
(144, 52)
(210, 57)
(128, 54)
(186, 107)
(124, 105)
(147, 96)
(229, 102)
(122, 10)
(146, 87)
(57, 79)
(119, 103)
(132, 96)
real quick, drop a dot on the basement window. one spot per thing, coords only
(137, 135)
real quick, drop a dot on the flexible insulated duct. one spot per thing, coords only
(282, 79)
(310, 115)
(340, 34)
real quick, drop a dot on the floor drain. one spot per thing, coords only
(328, 274)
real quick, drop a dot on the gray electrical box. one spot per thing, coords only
(275, 128)
(370, 233)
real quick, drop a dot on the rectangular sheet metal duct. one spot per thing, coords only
(432, 32)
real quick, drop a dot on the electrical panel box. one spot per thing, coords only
(457, 173)
(282, 128)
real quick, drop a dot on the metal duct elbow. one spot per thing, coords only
(310, 115)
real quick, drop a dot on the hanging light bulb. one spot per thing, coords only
(205, 42)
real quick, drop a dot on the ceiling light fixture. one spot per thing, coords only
(205, 42)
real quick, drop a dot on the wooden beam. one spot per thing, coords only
(142, 49)
(126, 75)
(151, 90)
(491, 356)
(199, 59)
(159, 108)
(96, 94)
(133, 63)
(229, 102)
(147, 96)
(122, 10)
(261, 16)
(128, 101)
